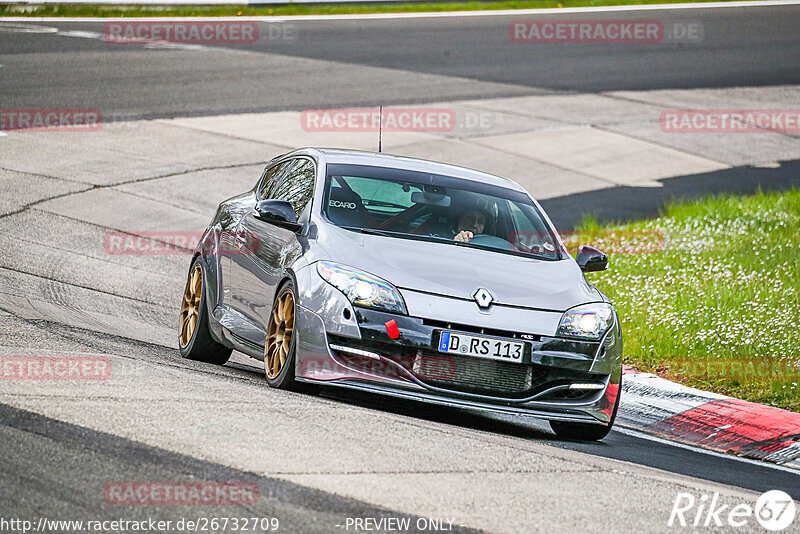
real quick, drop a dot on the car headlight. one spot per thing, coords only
(588, 321)
(362, 288)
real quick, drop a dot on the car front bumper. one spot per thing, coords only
(344, 346)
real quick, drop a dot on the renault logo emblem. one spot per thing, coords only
(483, 298)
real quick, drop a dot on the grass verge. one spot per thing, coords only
(91, 10)
(709, 293)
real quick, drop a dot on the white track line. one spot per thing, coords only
(445, 14)
(150, 45)
(637, 434)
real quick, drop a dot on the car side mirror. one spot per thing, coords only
(591, 259)
(277, 212)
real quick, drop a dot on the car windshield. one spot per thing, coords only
(416, 205)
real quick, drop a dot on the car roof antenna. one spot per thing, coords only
(380, 126)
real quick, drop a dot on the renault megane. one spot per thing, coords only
(408, 278)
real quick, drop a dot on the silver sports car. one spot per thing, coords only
(408, 278)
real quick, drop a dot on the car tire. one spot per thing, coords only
(283, 315)
(586, 431)
(285, 377)
(196, 343)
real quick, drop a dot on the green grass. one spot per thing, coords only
(83, 10)
(709, 293)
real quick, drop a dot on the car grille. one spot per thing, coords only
(476, 375)
(465, 374)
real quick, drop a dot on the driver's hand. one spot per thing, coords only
(464, 236)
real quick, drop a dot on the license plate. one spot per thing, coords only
(482, 347)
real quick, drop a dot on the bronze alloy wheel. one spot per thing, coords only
(279, 334)
(190, 308)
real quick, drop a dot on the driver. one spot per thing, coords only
(470, 223)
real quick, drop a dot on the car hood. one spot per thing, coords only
(459, 272)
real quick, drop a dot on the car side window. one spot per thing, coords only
(530, 233)
(271, 178)
(296, 185)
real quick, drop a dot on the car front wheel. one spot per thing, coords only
(279, 348)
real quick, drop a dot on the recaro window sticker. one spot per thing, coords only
(340, 204)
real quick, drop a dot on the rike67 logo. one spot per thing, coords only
(773, 510)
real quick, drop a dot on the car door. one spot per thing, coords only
(256, 273)
(234, 242)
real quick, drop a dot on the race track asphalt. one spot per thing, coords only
(316, 459)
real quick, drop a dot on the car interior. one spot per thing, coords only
(431, 211)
